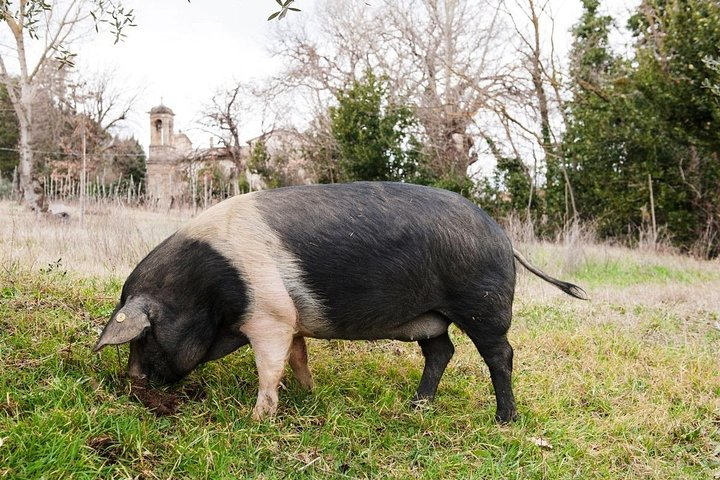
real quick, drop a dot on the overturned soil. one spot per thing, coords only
(105, 446)
(161, 402)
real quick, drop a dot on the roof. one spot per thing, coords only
(161, 109)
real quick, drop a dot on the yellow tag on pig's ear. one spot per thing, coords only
(120, 317)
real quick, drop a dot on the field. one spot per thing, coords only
(626, 385)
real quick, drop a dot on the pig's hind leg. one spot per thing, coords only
(487, 328)
(498, 355)
(299, 363)
(437, 352)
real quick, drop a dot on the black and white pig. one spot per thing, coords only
(358, 261)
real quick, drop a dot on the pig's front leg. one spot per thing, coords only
(271, 341)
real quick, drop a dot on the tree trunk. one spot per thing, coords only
(30, 189)
(552, 158)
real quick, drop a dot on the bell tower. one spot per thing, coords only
(161, 126)
(163, 180)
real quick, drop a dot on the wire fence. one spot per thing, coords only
(68, 189)
(197, 193)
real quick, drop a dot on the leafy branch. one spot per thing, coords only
(113, 14)
(285, 7)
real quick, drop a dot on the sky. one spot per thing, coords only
(181, 53)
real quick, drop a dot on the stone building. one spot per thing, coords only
(166, 166)
(178, 173)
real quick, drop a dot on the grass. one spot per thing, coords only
(623, 273)
(624, 386)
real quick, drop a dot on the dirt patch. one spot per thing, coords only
(194, 392)
(159, 402)
(163, 403)
(106, 447)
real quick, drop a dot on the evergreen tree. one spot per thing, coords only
(9, 135)
(127, 157)
(373, 136)
(263, 164)
(591, 116)
(509, 190)
(644, 127)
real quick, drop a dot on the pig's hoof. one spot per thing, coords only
(506, 417)
(420, 403)
(263, 411)
(259, 415)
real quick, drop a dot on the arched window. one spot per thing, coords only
(160, 132)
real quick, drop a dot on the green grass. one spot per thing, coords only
(603, 265)
(605, 390)
(623, 273)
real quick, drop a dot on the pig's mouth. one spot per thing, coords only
(148, 361)
(165, 376)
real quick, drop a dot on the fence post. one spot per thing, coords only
(652, 213)
(83, 179)
(194, 193)
(205, 192)
(15, 183)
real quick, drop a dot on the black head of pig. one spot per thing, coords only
(178, 308)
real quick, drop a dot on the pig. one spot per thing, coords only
(356, 261)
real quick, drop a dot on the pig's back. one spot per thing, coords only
(376, 253)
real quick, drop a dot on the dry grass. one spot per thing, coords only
(110, 241)
(619, 275)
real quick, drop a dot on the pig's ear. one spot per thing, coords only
(126, 325)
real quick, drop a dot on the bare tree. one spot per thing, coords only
(454, 68)
(479, 73)
(445, 57)
(536, 110)
(49, 28)
(331, 50)
(76, 113)
(102, 99)
(99, 106)
(223, 117)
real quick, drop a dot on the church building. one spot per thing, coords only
(178, 174)
(166, 173)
